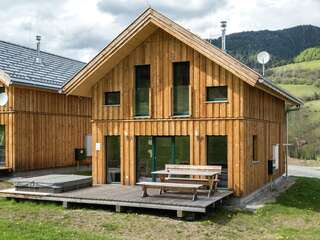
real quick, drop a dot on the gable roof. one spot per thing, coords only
(146, 24)
(20, 64)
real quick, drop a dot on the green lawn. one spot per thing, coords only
(295, 215)
(301, 90)
(311, 65)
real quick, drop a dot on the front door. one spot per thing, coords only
(153, 153)
(113, 159)
(2, 146)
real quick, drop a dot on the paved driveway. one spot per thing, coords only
(302, 171)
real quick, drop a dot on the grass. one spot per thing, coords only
(311, 65)
(295, 215)
(301, 90)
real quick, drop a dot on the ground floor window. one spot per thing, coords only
(217, 154)
(2, 146)
(113, 159)
(153, 153)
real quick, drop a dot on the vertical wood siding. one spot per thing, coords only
(247, 111)
(44, 128)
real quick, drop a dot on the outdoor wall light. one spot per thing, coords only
(197, 134)
(126, 134)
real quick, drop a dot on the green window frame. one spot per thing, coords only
(112, 98)
(217, 93)
(142, 89)
(217, 150)
(113, 162)
(153, 152)
(181, 86)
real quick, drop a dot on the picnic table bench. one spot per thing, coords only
(167, 185)
(189, 174)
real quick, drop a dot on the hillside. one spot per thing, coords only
(303, 80)
(283, 45)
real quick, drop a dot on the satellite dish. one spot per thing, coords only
(263, 58)
(3, 99)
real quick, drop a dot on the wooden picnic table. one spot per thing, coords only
(210, 176)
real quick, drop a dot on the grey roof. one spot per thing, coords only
(20, 64)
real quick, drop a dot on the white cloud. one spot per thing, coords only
(79, 29)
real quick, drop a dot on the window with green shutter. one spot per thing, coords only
(181, 86)
(217, 150)
(216, 94)
(142, 86)
(112, 98)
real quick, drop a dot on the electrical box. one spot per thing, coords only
(88, 145)
(276, 155)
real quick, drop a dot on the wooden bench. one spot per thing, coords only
(194, 170)
(170, 186)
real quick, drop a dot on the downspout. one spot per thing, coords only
(288, 110)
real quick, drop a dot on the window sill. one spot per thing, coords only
(217, 101)
(255, 162)
(142, 117)
(181, 116)
(115, 105)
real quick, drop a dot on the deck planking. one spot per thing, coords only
(126, 196)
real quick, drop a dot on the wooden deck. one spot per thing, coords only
(126, 196)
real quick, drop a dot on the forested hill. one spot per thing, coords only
(283, 45)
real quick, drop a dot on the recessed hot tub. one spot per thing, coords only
(53, 183)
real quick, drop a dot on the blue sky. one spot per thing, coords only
(79, 29)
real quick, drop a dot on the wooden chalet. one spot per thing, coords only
(39, 127)
(161, 94)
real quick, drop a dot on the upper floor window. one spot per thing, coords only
(142, 90)
(181, 92)
(217, 93)
(112, 98)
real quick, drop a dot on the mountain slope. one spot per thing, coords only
(303, 80)
(283, 45)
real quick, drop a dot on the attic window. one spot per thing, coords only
(217, 94)
(112, 98)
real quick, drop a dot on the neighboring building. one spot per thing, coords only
(161, 94)
(39, 127)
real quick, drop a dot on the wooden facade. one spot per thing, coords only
(42, 128)
(250, 110)
(238, 118)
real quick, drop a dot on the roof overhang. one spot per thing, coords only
(4, 78)
(270, 87)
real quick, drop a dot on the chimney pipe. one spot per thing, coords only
(223, 36)
(38, 57)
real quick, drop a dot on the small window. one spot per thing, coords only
(2, 89)
(112, 98)
(254, 149)
(216, 94)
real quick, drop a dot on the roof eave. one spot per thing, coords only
(290, 98)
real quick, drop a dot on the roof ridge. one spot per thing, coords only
(53, 54)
